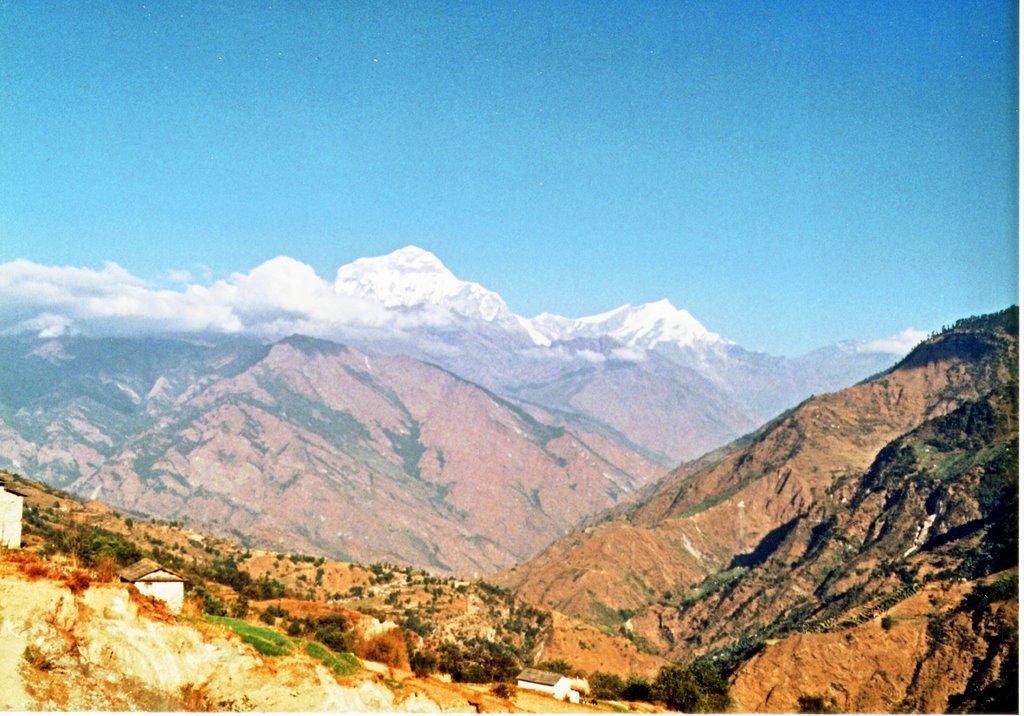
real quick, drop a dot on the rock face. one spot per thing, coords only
(96, 651)
(832, 511)
(933, 654)
(318, 447)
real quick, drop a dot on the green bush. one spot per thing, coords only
(637, 689)
(423, 663)
(557, 666)
(606, 686)
(211, 604)
(698, 688)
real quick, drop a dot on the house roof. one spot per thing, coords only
(536, 676)
(146, 567)
(5, 486)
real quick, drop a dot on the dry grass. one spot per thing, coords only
(106, 570)
(191, 608)
(385, 648)
(194, 698)
(78, 581)
(150, 606)
(29, 565)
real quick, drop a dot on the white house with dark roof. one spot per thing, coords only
(12, 503)
(548, 682)
(155, 581)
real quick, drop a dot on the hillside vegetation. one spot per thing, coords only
(394, 631)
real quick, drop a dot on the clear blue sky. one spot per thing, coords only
(792, 173)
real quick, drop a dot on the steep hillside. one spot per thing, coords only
(795, 524)
(327, 449)
(72, 649)
(405, 617)
(948, 648)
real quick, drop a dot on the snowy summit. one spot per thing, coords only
(643, 326)
(413, 277)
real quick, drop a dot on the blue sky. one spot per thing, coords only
(792, 173)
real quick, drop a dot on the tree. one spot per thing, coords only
(423, 663)
(557, 666)
(606, 686)
(240, 607)
(698, 688)
(637, 689)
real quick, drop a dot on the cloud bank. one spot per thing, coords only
(279, 297)
(899, 344)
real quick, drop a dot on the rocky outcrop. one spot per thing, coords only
(97, 650)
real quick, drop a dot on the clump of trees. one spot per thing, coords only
(700, 687)
(479, 661)
(697, 688)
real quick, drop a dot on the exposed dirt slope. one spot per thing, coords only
(704, 516)
(928, 649)
(96, 651)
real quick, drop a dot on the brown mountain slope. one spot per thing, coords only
(328, 450)
(702, 517)
(940, 650)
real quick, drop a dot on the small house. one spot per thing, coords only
(155, 581)
(12, 503)
(549, 683)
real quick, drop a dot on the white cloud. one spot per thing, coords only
(279, 297)
(590, 356)
(629, 354)
(899, 344)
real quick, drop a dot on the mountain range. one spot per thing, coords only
(412, 437)
(822, 521)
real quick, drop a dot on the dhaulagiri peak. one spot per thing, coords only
(413, 276)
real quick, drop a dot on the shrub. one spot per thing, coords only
(78, 581)
(106, 569)
(637, 689)
(698, 688)
(887, 622)
(210, 604)
(386, 648)
(814, 705)
(240, 607)
(423, 663)
(557, 666)
(271, 614)
(606, 686)
(35, 570)
(332, 632)
(504, 691)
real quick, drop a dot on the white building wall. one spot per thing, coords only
(561, 690)
(536, 687)
(172, 593)
(10, 519)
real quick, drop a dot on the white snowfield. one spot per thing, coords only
(413, 277)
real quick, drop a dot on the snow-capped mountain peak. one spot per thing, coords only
(643, 326)
(412, 277)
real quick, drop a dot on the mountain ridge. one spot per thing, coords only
(694, 522)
